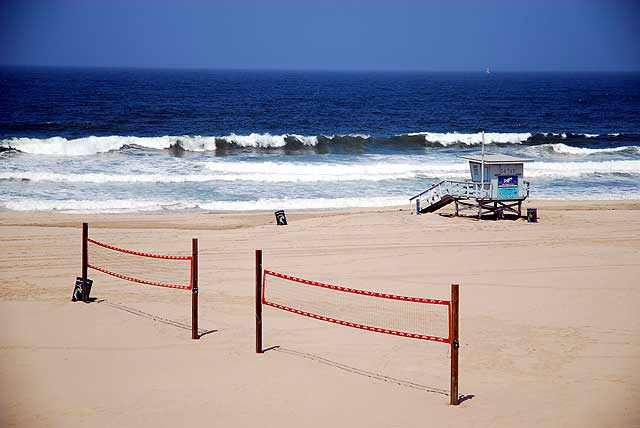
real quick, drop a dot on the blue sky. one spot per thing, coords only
(587, 35)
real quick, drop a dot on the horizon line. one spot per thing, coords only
(312, 70)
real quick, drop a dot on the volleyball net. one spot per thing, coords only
(417, 318)
(143, 268)
(411, 317)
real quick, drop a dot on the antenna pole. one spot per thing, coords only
(482, 170)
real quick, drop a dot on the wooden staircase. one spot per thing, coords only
(447, 191)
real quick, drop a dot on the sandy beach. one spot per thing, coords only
(550, 328)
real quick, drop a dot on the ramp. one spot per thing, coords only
(447, 191)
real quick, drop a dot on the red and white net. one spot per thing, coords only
(142, 268)
(418, 318)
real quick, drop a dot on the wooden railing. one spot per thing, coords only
(456, 189)
(459, 189)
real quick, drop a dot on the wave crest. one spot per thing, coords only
(231, 143)
(561, 148)
(94, 145)
(176, 144)
(455, 138)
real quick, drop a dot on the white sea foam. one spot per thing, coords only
(93, 145)
(361, 136)
(262, 204)
(305, 203)
(451, 138)
(335, 170)
(266, 172)
(130, 205)
(564, 135)
(283, 172)
(565, 149)
(194, 178)
(98, 206)
(598, 194)
(106, 178)
(577, 169)
(267, 140)
(312, 172)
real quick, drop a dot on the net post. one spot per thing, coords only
(194, 289)
(453, 337)
(258, 301)
(85, 261)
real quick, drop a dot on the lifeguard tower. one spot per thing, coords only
(497, 186)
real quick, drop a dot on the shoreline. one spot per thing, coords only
(227, 219)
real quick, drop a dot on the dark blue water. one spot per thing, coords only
(126, 139)
(80, 102)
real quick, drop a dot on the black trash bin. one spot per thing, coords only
(532, 215)
(281, 219)
(77, 290)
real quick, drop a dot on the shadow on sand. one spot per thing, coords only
(490, 217)
(366, 373)
(156, 318)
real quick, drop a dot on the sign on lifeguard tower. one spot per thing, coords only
(497, 186)
(507, 187)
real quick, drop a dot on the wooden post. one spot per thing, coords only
(519, 209)
(258, 301)
(194, 289)
(85, 261)
(454, 344)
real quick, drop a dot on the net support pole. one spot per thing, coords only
(258, 301)
(85, 261)
(194, 289)
(455, 344)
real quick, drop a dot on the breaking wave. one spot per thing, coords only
(455, 139)
(561, 148)
(294, 142)
(94, 145)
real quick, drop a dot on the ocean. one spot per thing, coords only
(138, 140)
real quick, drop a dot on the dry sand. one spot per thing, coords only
(550, 322)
